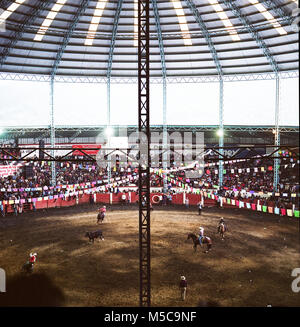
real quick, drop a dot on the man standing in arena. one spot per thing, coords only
(187, 203)
(170, 199)
(199, 208)
(2, 210)
(183, 287)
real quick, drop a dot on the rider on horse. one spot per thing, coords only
(222, 221)
(28, 266)
(102, 211)
(32, 258)
(201, 235)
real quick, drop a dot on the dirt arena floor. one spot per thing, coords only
(251, 267)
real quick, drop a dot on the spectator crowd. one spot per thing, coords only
(240, 178)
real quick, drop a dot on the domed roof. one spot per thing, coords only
(188, 38)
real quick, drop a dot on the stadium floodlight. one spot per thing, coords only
(109, 131)
(220, 132)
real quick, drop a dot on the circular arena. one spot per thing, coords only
(250, 267)
(149, 153)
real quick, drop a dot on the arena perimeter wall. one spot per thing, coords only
(106, 198)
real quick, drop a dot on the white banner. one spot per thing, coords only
(8, 170)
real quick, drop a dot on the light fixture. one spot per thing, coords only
(109, 131)
(220, 132)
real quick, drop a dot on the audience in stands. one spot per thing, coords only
(240, 178)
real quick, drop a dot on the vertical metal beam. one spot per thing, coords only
(261, 43)
(52, 132)
(165, 137)
(144, 150)
(60, 52)
(216, 59)
(164, 80)
(277, 134)
(108, 75)
(221, 129)
(107, 128)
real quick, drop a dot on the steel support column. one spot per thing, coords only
(272, 61)
(165, 137)
(52, 132)
(164, 84)
(221, 130)
(277, 134)
(144, 150)
(216, 59)
(108, 129)
(109, 68)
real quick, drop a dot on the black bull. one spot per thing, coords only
(92, 235)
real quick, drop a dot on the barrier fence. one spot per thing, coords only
(207, 199)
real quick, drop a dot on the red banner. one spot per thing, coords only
(83, 146)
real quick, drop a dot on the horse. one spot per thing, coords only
(100, 217)
(92, 235)
(28, 267)
(205, 240)
(221, 230)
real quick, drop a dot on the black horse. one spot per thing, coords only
(100, 217)
(28, 267)
(92, 235)
(205, 240)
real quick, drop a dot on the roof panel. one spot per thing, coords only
(20, 53)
